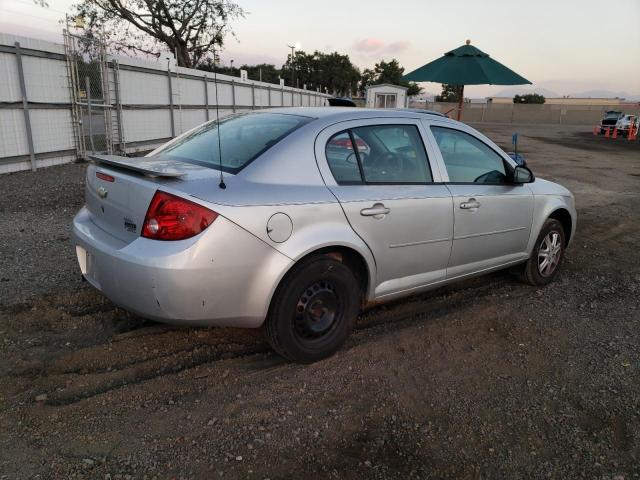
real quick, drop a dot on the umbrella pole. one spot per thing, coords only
(460, 100)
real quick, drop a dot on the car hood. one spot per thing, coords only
(545, 187)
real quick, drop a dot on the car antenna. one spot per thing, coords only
(222, 185)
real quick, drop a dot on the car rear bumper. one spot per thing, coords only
(224, 276)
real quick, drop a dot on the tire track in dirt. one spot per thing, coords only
(142, 372)
(377, 321)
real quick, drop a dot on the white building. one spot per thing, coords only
(385, 95)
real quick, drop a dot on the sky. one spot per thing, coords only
(565, 46)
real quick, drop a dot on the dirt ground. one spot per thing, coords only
(487, 379)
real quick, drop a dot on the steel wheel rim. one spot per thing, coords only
(549, 253)
(317, 311)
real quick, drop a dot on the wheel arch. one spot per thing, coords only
(348, 254)
(552, 206)
(564, 217)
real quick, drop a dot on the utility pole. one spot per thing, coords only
(293, 48)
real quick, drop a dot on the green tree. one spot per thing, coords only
(529, 98)
(368, 78)
(190, 29)
(268, 72)
(333, 71)
(388, 72)
(450, 93)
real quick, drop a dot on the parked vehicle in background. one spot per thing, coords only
(624, 124)
(609, 120)
(341, 102)
(294, 219)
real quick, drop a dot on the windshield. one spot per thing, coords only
(243, 138)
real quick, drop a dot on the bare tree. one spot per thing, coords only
(190, 29)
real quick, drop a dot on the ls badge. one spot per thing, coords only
(130, 225)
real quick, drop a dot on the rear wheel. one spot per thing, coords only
(313, 310)
(548, 252)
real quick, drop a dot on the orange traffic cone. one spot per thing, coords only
(633, 133)
(606, 133)
(615, 133)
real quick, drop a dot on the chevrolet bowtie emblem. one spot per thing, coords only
(102, 192)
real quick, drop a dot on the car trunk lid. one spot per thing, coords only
(119, 189)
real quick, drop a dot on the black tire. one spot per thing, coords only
(531, 271)
(313, 310)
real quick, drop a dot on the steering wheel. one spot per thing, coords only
(494, 176)
(388, 163)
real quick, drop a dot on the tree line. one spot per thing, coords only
(331, 72)
(194, 31)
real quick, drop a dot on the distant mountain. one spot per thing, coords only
(512, 91)
(519, 90)
(424, 96)
(604, 94)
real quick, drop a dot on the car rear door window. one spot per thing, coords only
(342, 159)
(384, 154)
(467, 159)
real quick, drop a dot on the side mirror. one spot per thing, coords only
(522, 174)
(518, 158)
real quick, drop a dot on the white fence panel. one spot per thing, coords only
(187, 119)
(55, 130)
(262, 97)
(9, 81)
(143, 98)
(147, 124)
(46, 80)
(13, 135)
(225, 96)
(189, 91)
(243, 95)
(140, 88)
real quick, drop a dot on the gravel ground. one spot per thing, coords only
(486, 379)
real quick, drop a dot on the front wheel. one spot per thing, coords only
(313, 310)
(548, 253)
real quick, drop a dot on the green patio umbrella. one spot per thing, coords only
(466, 65)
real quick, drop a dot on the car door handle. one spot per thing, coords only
(378, 210)
(470, 204)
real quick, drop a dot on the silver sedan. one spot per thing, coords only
(294, 219)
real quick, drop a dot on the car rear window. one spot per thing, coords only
(243, 138)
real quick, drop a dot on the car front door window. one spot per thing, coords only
(467, 159)
(492, 215)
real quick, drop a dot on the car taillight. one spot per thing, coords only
(173, 218)
(105, 177)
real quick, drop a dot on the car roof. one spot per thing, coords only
(338, 114)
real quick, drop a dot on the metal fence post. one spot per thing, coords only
(253, 96)
(173, 124)
(116, 87)
(25, 108)
(233, 95)
(206, 98)
(87, 86)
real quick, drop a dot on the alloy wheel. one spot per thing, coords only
(549, 253)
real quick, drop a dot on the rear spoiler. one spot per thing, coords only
(157, 167)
